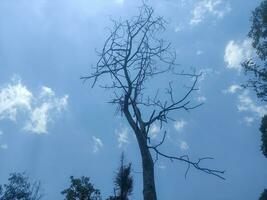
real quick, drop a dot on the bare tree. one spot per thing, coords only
(132, 55)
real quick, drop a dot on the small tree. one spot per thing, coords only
(81, 189)
(263, 195)
(123, 181)
(132, 55)
(19, 188)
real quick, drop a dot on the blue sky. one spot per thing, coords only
(52, 125)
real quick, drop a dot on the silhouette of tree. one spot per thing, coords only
(132, 55)
(256, 68)
(1, 190)
(263, 130)
(81, 189)
(123, 181)
(19, 188)
(263, 195)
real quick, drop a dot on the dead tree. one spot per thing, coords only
(131, 56)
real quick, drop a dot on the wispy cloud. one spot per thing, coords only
(204, 8)
(232, 89)
(14, 97)
(123, 136)
(207, 72)
(154, 130)
(179, 125)
(248, 120)
(201, 99)
(38, 109)
(246, 104)
(235, 53)
(178, 28)
(184, 146)
(97, 144)
(41, 115)
(2, 146)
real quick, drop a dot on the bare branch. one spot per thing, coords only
(196, 164)
(131, 56)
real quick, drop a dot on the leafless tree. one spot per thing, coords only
(132, 55)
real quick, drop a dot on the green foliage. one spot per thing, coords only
(81, 189)
(263, 195)
(256, 69)
(123, 182)
(19, 188)
(263, 130)
(258, 30)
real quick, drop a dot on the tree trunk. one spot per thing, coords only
(149, 189)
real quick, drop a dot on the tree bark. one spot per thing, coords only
(149, 189)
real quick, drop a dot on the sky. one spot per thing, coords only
(53, 125)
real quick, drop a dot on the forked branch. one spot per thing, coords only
(131, 56)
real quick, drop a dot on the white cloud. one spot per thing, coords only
(248, 120)
(97, 144)
(204, 8)
(38, 110)
(206, 72)
(46, 92)
(179, 125)
(38, 120)
(201, 99)
(14, 97)
(41, 115)
(184, 146)
(245, 103)
(2, 146)
(232, 89)
(178, 28)
(235, 53)
(154, 130)
(123, 137)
